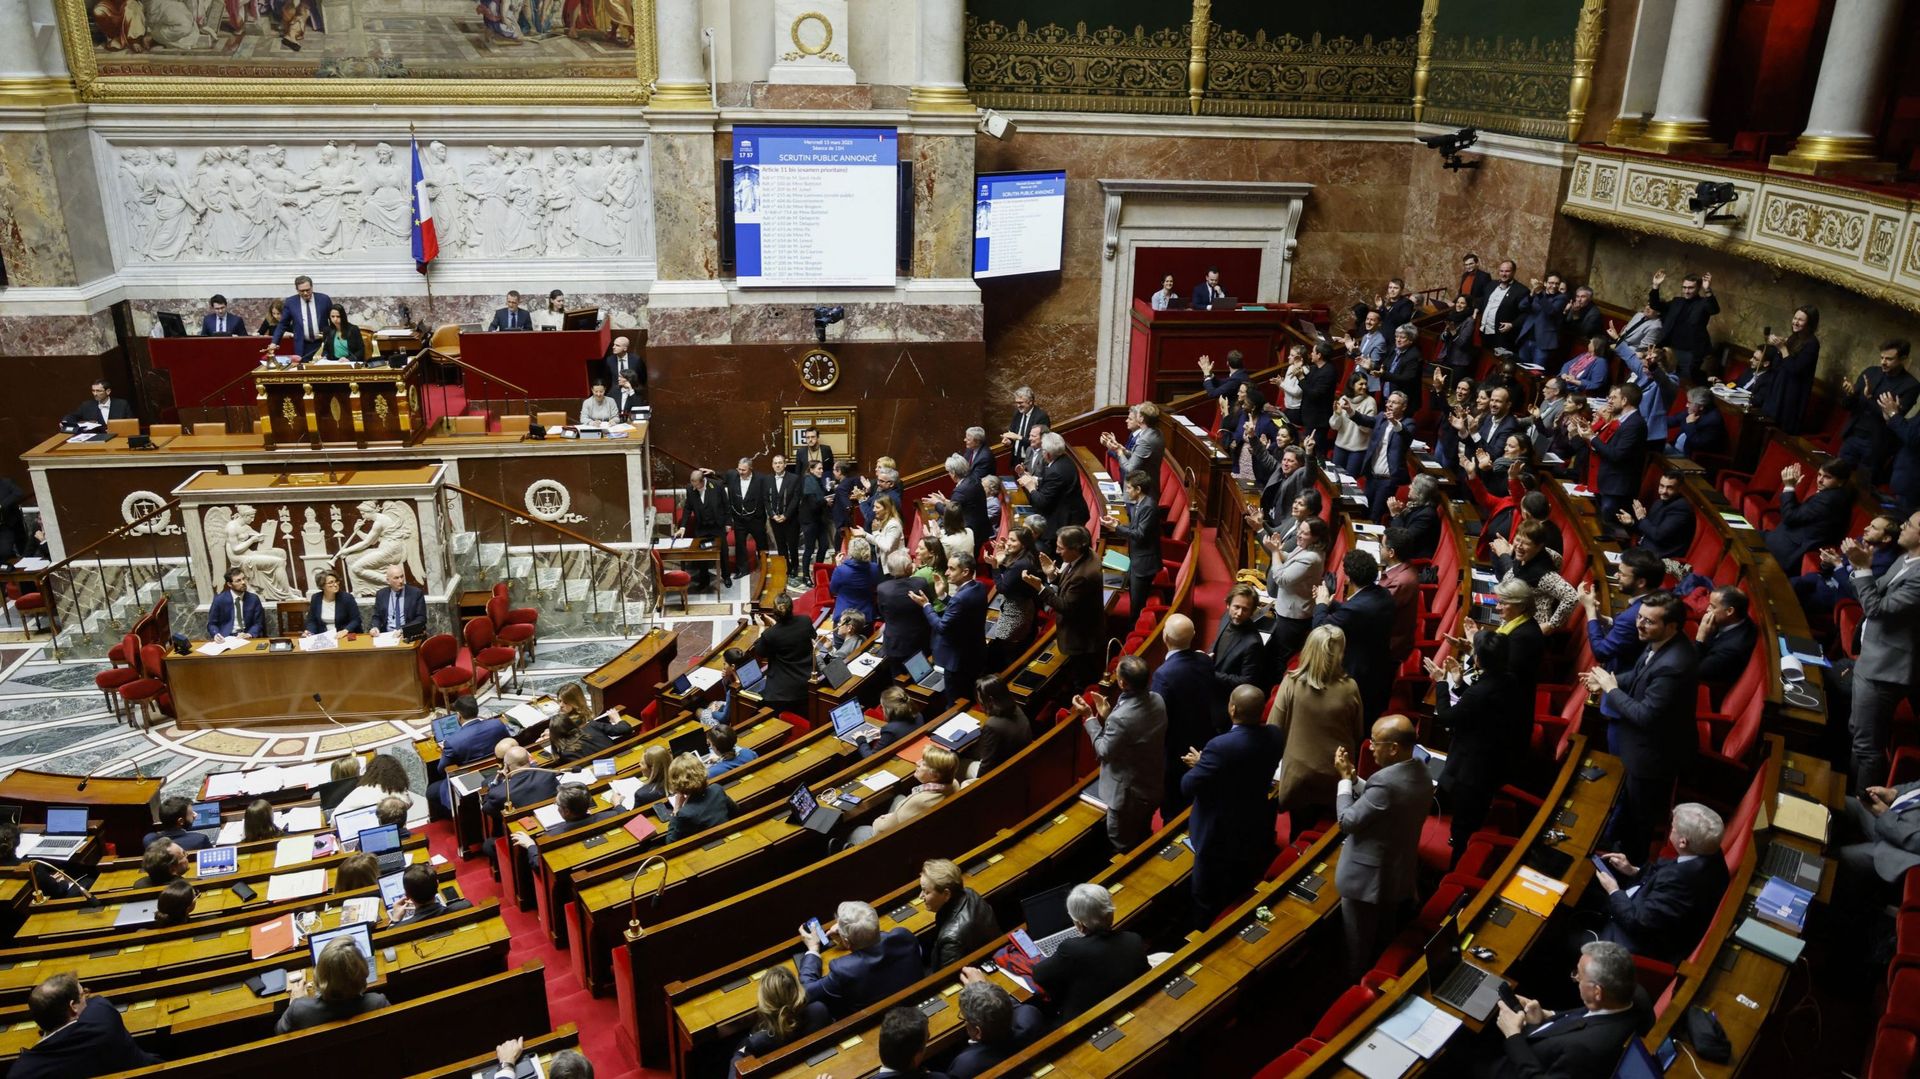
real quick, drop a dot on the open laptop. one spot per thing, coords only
(750, 675)
(1460, 985)
(923, 674)
(835, 672)
(1046, 915)
(384, 841)
(351, 822)
(1792, 865)
(1640, 1063)
(361, 933)
(850, 722)
(694, 741)
(809, 813)
(392, 890)
(66, 820)
(205, 815)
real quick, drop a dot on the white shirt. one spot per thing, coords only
(312, 325)
(1380, 465)
(1489, 318)
(1162, 298)
(548, 320)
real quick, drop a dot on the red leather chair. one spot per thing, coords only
(1350, 1003)
(671, 580)
(489, 658)
(516, 627)
(150, 689)
(125, 658)
(30, 605)
(440, 668)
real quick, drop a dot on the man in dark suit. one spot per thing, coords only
(1666, 527)
(1395, 306)
(1475, 283)
(235, 611)
(1381, 817)
(1141, 533)
(1056, 494)
(1542, 313)
(1889, 663)
(1701, 430)
(1088, 969)
(218, 323)
(174, 818)
(1490, 434)
(1583, 321)
(100, 407)
(996, 1028)
(1662, 910)
(80, 1034)
(1866, 438)
(1208, 292)
(1232, 824)
(1683, 320)
(1622, 454)
(907, 631)
(620, 360)
(1818, 522)
(1367, 618)
(960, 631)
(1227, 386)
(1652, 724)
(1400, 370)
(1026, 416)
(704, 514)
(625, 397)
(1579, 1043)
(473, 741)
(811, 450)
(1074, 591)
(971, 497)
(1385, 465)
(746, 493)
(1239, 658)
(1615, 641)
(304, 315)
(1726, 638)
(977, 454)
(511, 317)
(1499, 313)
(400, 606)
(1184, 681)
(519, 783)
(1419, 517)
(876, 964)
(783, 515)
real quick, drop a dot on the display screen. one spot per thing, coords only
(1019, 219)
(815, 205)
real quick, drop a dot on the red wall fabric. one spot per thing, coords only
(1239, 270)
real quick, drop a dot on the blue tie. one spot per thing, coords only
(393, 617)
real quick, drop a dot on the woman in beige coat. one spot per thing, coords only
(1318, 709)
(934, 778)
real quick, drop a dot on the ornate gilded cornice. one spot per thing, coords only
(1337, 78)
(1104, 70)
(1423, 59)
(1519, 87)
(1586, 46)
(226, 82)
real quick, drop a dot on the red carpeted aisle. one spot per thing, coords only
(567, 1000)
(1210, 584)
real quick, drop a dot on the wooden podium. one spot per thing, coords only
(1164, 347)
(122, 806)
(338, 405)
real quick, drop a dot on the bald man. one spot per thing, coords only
(1380, 857)
(519, 783)
(1232, 824)
(1184, 681)
(619, 360)
(400, 606)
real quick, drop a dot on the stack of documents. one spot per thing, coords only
(293, 850)
(1416, 1030)
(285, 886)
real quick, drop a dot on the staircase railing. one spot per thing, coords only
(479, 387)
(579, 585)
(95, 594)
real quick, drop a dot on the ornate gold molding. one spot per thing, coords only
(1586, 46)
(77, 38)
(1198, 32)
(1332, 78)
(1104, 70)
(1517, 87)
(36, 91)
(1423, 58)
(1762, 254)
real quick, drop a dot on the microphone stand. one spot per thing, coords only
(93, 902)
(323, 711)
(634, 931)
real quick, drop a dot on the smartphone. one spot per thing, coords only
(1509, 997)
(245, 893)
(1601, 865)
(813, 926)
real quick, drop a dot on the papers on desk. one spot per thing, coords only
(1614, 557)
(863, 664)
(293, 850)
(31, 564)
(582, 776)
(394, 331)
(1110, 490)
(467, 784)
(363, 908)
(879, 781)
(672, 544)
(286, 886)
(267, 780)
(1577, 490)
(234, 831)
(1115, 561)
(387, 640)
(1380, 1057)
(320, 642)
(272, 938)
(529, 713)
(302, 819)
(1801, 816)
(624, 789)
(214, 648)
(1371, 548)
(1482, 577)
(1420, 1026)
(957, 732)
(703, 678)
(548, 816)
(1368, 529)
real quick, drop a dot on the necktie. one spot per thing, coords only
(312, 322)
(393, 615)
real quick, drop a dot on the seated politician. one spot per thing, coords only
(1579, 1043)
(97, 410)
(218, 323)
(696, 805)
(962, 920)
(164, 860)
(876, 965)
(236, 612)
(520, 783)
(997, 1028)
(342, 342)
(80, 1034)
(332, 609)
(422, 899)
(1661, 910)
(336, 991)
(599, 408)
(175, 817)
(511, 317)
(781, 1015)
(1087, 969)
(399, 606)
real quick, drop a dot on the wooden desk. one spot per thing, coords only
(120, 805)
(327, 404)
(542, 1049)
(628, 679)
(253, 687)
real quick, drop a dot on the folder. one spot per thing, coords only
(272, 938)
(640, 827)
(1768, 941)
(1534, 892)
(1801, 816)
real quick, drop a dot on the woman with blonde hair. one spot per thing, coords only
(695, 805)
(933, 777)
(338, 990)
(1318, 709)
(885, 531)
(575, 732)
(654, 763)
(781, 1014)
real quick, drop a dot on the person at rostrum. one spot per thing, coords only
(1660, 910)
(1091, 967)
(236, 612)
(1074, 591)
(80, 1034)
(342, 342)
(782, 1015)
(598, 408)
(100, 407)
(695, 805)
(399, 607)
(1380, 817)
(705, 513)
(338, 990)
(1317, 711)
(1129, 738)
(553, 315)
(175, 817)
(1232, 822)
(876, 964)
(511, 317)
(303, 314)
(1579, 1043)
(332, 609)
(963, 922)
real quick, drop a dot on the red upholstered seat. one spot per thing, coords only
(125, 658)
(517, 628)
(440, 667)
(488, 657)
(29, 604)
(1350, 1003)
(150, 689)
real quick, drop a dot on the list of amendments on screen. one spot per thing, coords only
(823, 208)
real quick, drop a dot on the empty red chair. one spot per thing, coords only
(125, 658)
(440, 667)
(799, 725)
(149, 691)
(489, 658)
(1350, 1004)
(516, 627)
(29, 604)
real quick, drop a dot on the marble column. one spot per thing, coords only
(33, 67)
(682, 79)
(939, 83)
(943, 157)
(1686, 77)
(1850, 91)
(1640, 89)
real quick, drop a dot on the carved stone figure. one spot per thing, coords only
(233, 541)
(386, 533)
(388, 209)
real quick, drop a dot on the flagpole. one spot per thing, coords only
(426, 274)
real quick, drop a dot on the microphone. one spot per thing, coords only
(323, 711)
(1112, 645)
(92, 903)
(86, 779)
(634, 929)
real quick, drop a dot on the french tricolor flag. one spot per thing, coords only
(426, 245)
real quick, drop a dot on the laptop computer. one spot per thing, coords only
(444, 728)
(1046, 915)
(350, 823)
(66, 820)
(1640, 1063)
(808, 813)
(694, 741)
(922, 672)
(205, 815)
(1460, 985)
(361, 933)
(384, 841)
(392, 890)
(850, 722)
(1792, 865)
(835, 672)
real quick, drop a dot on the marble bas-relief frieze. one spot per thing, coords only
(340, 201)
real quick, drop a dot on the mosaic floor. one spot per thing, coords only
(53, 719)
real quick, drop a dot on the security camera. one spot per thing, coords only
(992, 123)
(1450, 144)
(824, 317)
(1709, 196)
